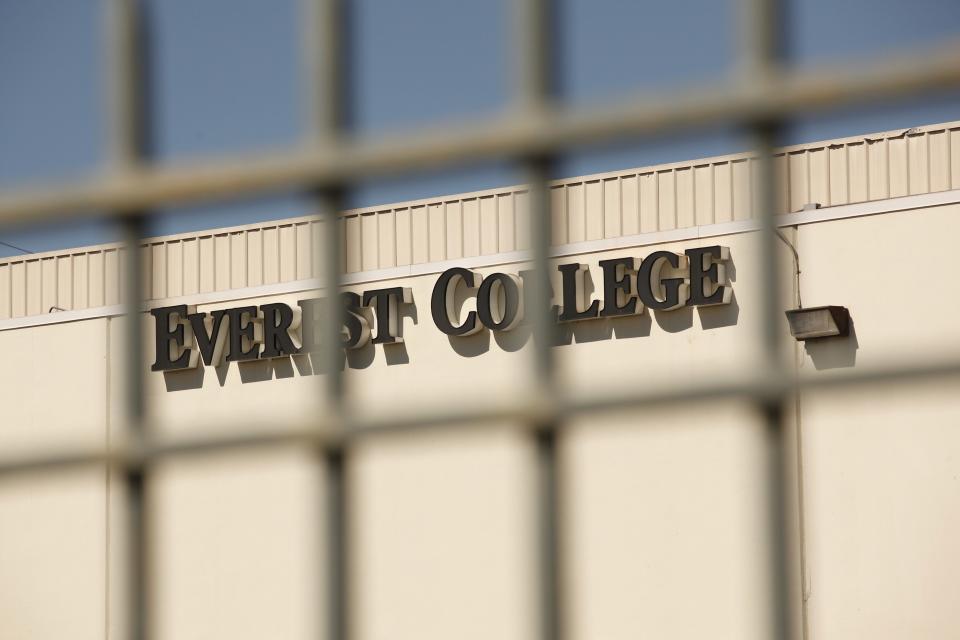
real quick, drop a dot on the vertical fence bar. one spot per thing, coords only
(547, 494)
(127, 112)
(135, 410)
(773, 410)
(127, 150)
(549, 573)
(325, 82)
(336, 500)
(534, 46)
(761, 62)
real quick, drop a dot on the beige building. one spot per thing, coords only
(664, 508)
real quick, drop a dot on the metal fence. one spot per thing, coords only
(760, 96)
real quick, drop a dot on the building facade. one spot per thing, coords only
(663, 507)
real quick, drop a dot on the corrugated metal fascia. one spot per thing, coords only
(869, 137)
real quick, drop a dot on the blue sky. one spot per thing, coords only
(225, 78)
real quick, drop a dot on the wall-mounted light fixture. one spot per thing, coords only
(819, 322)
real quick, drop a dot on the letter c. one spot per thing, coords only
(443, 302)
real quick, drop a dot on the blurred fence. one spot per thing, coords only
(761, 96)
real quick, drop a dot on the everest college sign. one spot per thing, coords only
(662, 281)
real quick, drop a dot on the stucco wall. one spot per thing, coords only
(664, 508)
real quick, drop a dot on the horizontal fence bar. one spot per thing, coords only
(523, 411)
(790, 94)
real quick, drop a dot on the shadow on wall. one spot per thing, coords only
(625, 327)
(252, 371)
(184, 379)
(834, 353)
(586, 331)
(289, 366)
(724, 315)
(637, 326)
(470, 346)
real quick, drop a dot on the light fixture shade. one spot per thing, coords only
(819, 322)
